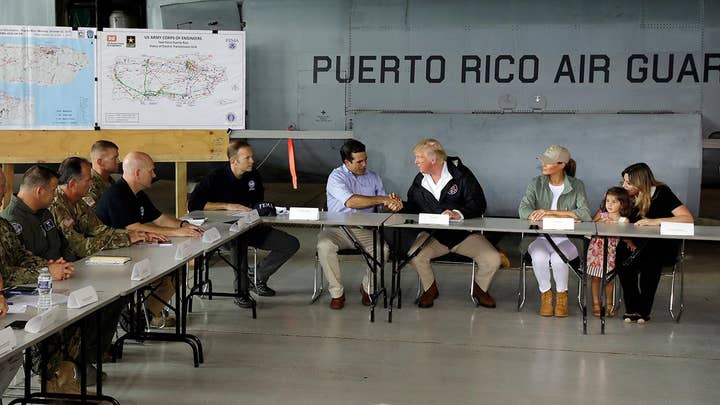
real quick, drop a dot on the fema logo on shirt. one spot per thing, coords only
(251, 185)
(18, 227)
(453, 190)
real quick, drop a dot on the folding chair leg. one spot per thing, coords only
(472, 286)
(317, 289)
(677, 268)
(419, 288)
(521, 286)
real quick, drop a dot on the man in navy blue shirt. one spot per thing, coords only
(238, 187)
(125, 205)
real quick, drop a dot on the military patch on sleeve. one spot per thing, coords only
(48, 225)
(18, 227)
(68, 221)
(89, 201)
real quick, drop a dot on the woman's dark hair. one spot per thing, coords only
(623, 198)
(570, 168)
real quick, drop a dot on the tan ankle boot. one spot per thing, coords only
(561, 304)
(546, 303)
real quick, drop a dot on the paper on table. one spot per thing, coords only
(16, 308)
(31, 300)
(108, 260)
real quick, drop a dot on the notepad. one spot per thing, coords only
(108, 260)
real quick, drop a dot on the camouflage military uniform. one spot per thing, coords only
(19, 266)
(83, 230)
(99, 186)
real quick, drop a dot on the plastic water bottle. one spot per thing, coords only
(44, 288)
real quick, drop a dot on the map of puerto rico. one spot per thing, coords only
(49, 65)
(171, 79)
(47, 77)
(183, 79)
(15, 110)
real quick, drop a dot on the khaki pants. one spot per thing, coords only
(475, 246)
(165, 289)
(331, 240)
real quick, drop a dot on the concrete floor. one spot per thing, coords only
(452, 353)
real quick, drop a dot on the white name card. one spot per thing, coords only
(677, 228)
(434, 219)
(252, 217)
(211, 235)
(140, 270)
(42, 320)
(81, 297)
(303, 213)
(239, 226)
(7, 340)
(183, 250)
(558, 223)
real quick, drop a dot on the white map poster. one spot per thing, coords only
(171, 79)
(47, 78)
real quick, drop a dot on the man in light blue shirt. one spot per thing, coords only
(351, 188)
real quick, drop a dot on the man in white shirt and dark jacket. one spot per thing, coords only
(446, 186)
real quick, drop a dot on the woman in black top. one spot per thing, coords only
(653, 203)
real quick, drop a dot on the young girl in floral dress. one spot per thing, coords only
(615, 207)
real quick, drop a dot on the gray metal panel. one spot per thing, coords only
(282, 37)
(202, 15)
(501, 149)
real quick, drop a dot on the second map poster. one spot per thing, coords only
(171, 79)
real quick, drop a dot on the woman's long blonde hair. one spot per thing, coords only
(641, 177)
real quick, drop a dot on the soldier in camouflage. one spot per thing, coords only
(104, 160)
(74, 211)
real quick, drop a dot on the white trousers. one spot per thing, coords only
(545, 258)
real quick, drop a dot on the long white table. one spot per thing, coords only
(64, 317)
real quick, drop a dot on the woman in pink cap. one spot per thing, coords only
(554, 194)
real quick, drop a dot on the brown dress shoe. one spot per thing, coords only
(365, 297)
(427, 298)
(338, 303)
(483, 298)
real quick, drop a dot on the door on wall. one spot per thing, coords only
(203, 15)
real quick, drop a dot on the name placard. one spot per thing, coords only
(140, 270)
(305, 214)
(677, 228)
(211, 235)
(81, 297)
(434, 219)
(42, 320)
(238, 226)
(7, 340)
(252, 217)
(183, 250)
(567, 224)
